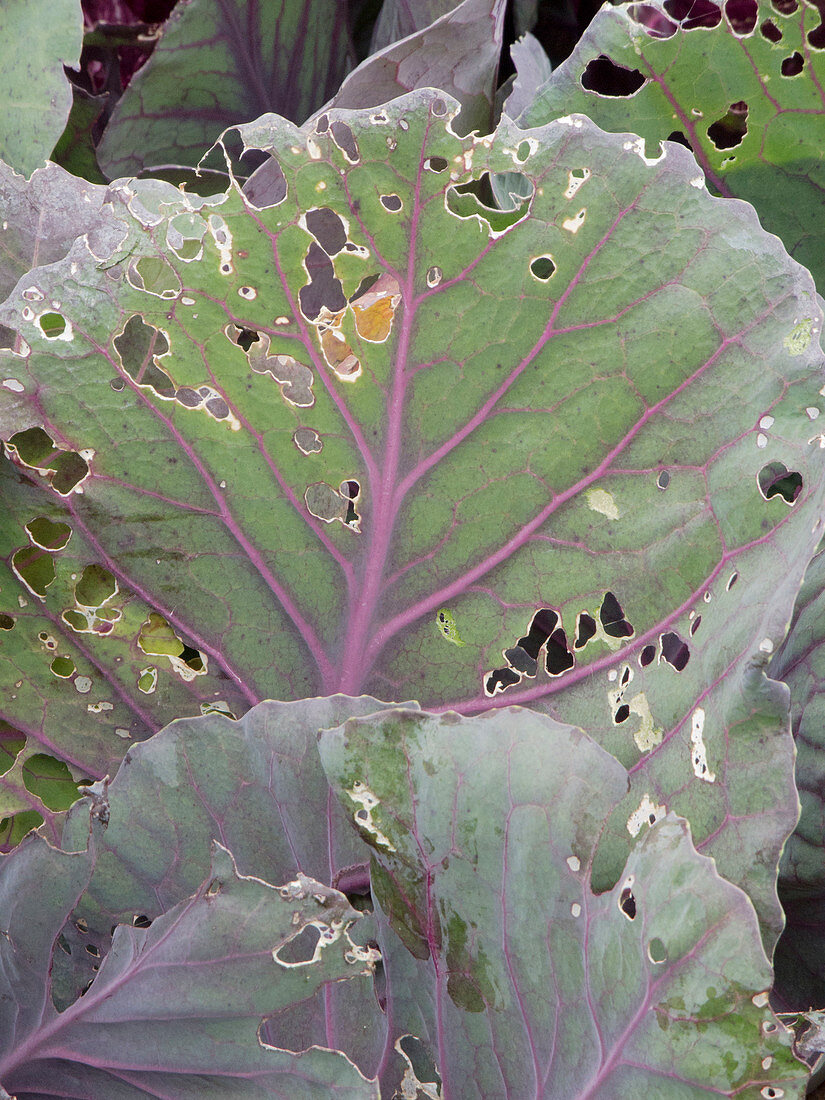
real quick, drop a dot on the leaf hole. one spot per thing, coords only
(435, 164)
(734, 577)
(140, 920)
(300, 950)
(612, 618)
(656, 951)
(653, 20)
(694, 626)
(604, 76)
(647, 655)
(793, 65)
(729, 131)
(774, 479)
(741, 15)
(692, 14)
(52, 325)
(675, 651)
(542, 268)
(585, 629)
(679, 137)
(6, 622)
(663, 480)
(772, 33)
(627, 903)
(392, 203)
(785, 7)
(500, 200)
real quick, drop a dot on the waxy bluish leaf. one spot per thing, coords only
(536, 986)
(218, 63)
(367, 433)
(458, 53)
(178, 1004)
(400, 18)
(39, 37)
(739, 83)
(256, 786)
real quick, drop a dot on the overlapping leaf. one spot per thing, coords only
(218, 63)
(380, 437)
(256, 786)
(178, 1003)
(41, 36)
(739, 82)
(536, 986)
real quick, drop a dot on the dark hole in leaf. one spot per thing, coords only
(63, 944)
(625, 676)
(324, 290)
(543, 624)
(729, 131)
(663, 480)
(612, 618)
(218, 408)
(609, 79)
(558, 657)
(344, 138)
(500, 679)
(793, 65)
(542, 267)
(522, 662)
(307, 441)
(675, 651)
(81, 926)
(192, 658)
(6, 622)
(734, 577)
(770, 31)
(322, 125)
(327, 229)
(435, 164)
(52, 324)
(742, 15)
(140, 920)
(392, 203)
(776, 480)
(117, 384)
(246, 338)
(694, 13)
(585, 629)
(784, 7)
(362, 815)
(622, 714)
(92, 950)
(138, 347)
(627, 903)
(653, 20)
(678, 136)
(189, 398)
(694, 626)
(438, 108)
(647, 655)
(300, 948)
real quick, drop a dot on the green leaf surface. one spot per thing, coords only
(484, 832)
(742, 86)
(180, 1002)
(40, 37)
(377, 436)
(219, 62)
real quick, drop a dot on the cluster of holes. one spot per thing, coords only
(547, 634)
(36, 449)
(673, 650)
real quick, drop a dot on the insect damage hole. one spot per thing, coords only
(626, 901)
(542, 268)
(606, 78)
(774, 479)
(730, 130)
